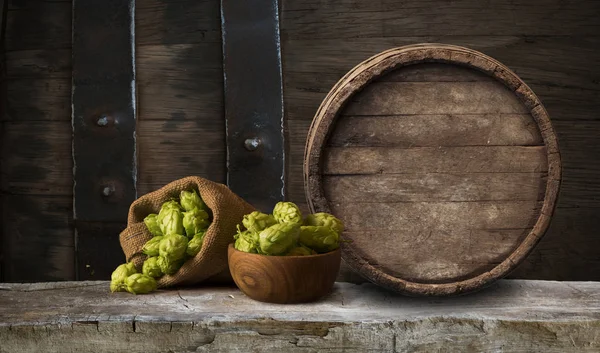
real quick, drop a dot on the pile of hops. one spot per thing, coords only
(178, 231)
(286, 233)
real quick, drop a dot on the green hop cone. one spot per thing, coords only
(139, 283)
(173, 247)
(151, 268)
(152, 224)
(195, 221)
(287, 212)
(195, 244)
(278, 238)
(167, 266)
(167, 206)
(119, 275)
(151, 246)
(191, 200)
(301, 251)
(170, 221)
(320, 238)
(246, 241)
(258, 221)
(325, 219)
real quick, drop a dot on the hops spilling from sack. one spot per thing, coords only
(178, 232)
(285, 232)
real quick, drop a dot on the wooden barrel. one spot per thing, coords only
(441, 162)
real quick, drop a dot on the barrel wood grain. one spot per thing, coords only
(470, 159)
(417, 187)
(397, 98)
(434, 129)
(447, 206)
(462, 253)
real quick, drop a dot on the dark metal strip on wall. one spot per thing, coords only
(253, 100)
(104, 128)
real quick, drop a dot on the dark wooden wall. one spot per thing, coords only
(180, 128)
(553, 45)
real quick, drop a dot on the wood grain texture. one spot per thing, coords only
(39, 99)
(179, 68)
(38, 25)
(284, 279)
(173, 149)
(39, 63)
(38, 243)
(432, 187)
(387, 18)
(435, 130)
(444, 206)
(519, 316)
(397, 98)
(186, 79)
(35, 163)
(472, 159)
(177, 22)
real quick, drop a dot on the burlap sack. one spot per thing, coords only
(228, 210)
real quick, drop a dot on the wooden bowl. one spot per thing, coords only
(284, 279)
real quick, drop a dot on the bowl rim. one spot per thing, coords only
(338, 250)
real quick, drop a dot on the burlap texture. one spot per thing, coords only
(228, 210)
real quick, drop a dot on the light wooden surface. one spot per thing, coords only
(511, 316)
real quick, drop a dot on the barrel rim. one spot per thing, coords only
(380, 64)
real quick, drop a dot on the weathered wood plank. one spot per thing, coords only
(435, 187)
(34, 162)
(493, 159)
(39, 99)
(176, 148)
(459, 254)
(39, 63)
(199, 62)
(436, 130)
(388, 18)
(192, 99)
(38, 243)
(425, 216)
(395, 98)
(515, 315)
(177, 22)
(39, 25)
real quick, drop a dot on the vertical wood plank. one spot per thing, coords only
(253, 100)
(3, 10)
(104, 122)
